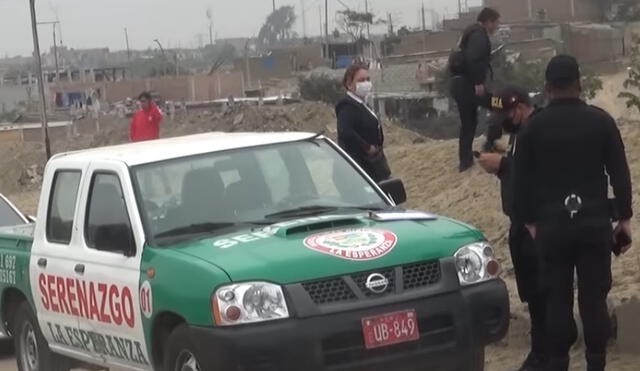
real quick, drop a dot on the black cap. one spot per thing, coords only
(562, 70)
(506, 99)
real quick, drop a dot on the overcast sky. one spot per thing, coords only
(101, 23)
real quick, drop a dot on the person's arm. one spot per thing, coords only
(156, 114)
(506, 167)
(522, 168)
(476, 58)
(132, 128)
(618, 170)
(346, 129)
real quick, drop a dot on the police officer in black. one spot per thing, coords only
(512, 107)
(469, 82)
(565, 158)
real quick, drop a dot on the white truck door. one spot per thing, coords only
(112, 242)
(58, 296)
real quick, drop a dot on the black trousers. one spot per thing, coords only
(565, 247)
(527, 270)
(463, 92)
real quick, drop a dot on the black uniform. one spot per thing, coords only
(358, 130)
(571, 148)
(476, 47)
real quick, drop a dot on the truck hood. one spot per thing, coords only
(316, 247)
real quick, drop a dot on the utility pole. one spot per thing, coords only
(459, 8)
(424, 21)
(326, 27)
(390, 24)
(366, 9)
(43, 102)
(126, 38)
(55, 46)
(304, 19)
(274, 6)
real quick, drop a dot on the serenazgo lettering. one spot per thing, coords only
(102, 302)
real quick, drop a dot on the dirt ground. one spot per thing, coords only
(428, 168)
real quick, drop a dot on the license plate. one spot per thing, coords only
(389, 329)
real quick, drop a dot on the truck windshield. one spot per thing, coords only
(203, 195)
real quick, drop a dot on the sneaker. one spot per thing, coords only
(533, 363)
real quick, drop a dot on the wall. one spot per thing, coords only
(11, 95)
(556, 10)
(426, 41)
(592, 44)
(188, 88)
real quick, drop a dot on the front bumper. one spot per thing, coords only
(452, 325)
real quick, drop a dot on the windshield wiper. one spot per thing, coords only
(321, 209)
(195, 229)
(302, 211)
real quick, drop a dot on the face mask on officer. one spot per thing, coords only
(363, 88)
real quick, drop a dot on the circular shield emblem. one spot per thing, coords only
(353, 244)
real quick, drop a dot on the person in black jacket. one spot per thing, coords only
(468, 86)
(566, 157)
(512, 108)
(359, 130)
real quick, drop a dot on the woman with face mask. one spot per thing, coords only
(359, 129)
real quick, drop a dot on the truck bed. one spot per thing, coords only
(19, 236)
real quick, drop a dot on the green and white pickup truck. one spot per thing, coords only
(231, 252)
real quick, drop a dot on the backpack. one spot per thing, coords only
(457, 61)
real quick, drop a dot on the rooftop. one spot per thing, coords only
(165, 149)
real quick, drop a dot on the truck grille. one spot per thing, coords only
(352, 287)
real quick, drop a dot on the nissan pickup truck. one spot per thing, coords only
(227, 252)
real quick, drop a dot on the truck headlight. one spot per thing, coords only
(476, 263)
(249, 302)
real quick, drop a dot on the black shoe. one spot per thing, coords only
(534, 362)
(596, 362)
(464, 167)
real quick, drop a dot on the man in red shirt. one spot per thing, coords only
(145, 124)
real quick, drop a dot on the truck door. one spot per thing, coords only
(57, 296)
(112, 241)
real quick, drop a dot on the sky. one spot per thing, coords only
(176, 23)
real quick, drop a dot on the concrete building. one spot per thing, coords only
(514, 11)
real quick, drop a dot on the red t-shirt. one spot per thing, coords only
(145, 124)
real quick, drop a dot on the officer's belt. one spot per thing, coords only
(589, 209)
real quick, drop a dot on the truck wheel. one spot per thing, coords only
(32, 350)
(181, 354)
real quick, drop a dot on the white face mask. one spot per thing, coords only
(364, 88)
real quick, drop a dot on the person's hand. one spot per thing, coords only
(624, 226)
(373, 150)
(533, 230)
(480, 90)
(490, 162)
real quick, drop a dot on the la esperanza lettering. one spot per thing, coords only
(102, 302)
(111, 346)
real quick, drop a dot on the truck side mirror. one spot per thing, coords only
(394, 188)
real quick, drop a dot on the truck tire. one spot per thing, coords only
(32, 351)
(180, 354)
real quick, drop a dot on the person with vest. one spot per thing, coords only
(565, 160)
(512, 108)
(469, 80)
